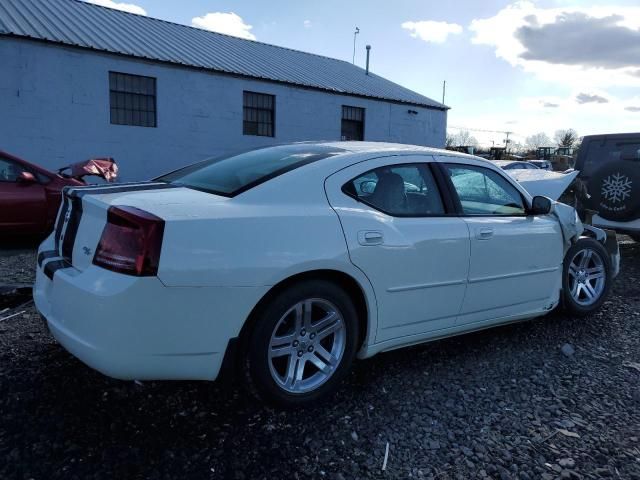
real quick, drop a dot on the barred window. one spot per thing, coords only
(258, 114)
(132, 99)
(352, 123)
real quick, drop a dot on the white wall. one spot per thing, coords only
(54, 104)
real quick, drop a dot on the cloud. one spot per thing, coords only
(575, 38)
(227, 23)
(432, 31)
(632, 109)
(584, 47)
(577, 103)
(590, 98)
(307, 24)
(126, 7)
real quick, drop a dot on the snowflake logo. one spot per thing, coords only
(616, 188)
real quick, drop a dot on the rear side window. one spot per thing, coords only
(484, 192)
(599, 152)
(9, 171)
(233, 174)
(407, 190)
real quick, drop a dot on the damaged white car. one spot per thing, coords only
(286, 263)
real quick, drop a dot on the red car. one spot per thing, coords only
(30, 195)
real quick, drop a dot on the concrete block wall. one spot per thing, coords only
(54, 104)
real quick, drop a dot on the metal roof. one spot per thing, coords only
(80, 24)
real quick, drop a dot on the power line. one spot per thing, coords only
(483, 130)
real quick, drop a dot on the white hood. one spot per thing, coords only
(543, 182)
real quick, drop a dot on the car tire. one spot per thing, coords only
(290, 333)
(586, 277)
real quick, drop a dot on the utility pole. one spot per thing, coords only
(444, 88)
(506, 140)
(354, 45)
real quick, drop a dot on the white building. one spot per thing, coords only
(80, 80)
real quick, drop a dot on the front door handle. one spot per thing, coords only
(484, 233)
(370, 237)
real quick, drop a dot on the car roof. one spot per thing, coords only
(351, 152)
(377, 147)
(29, 165)
(611, 136)
(358, 151)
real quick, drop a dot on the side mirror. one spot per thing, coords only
(26, 178)
(541, 205)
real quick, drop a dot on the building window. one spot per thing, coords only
(132, 99)
(258, 114)
(352, 123)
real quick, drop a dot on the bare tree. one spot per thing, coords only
(462, 139)
(450, 140)
(516, 147)
(566, 138)
(538, 140)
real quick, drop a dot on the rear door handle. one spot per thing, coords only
(484, 233)
(370, 237)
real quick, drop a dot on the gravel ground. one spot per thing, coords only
(505, 403)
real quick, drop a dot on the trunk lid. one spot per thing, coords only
(83, 213)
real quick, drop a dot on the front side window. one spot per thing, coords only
(258, 114)
(352, 123)
(132, 100)
(484, 192)
(9, 171)
(407, 190)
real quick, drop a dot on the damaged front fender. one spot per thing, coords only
(573, 228)
(570, 223)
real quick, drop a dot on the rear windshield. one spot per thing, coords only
(596, 152)
(233, 174)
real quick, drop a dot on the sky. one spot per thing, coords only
(519, 66)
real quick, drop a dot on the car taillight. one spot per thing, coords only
(130, 242)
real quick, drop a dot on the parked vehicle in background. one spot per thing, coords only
(566, 151)
(544, 153)
(498, 153)
(30, 195)
(609, 165)
(284, 264)
(553, 158)
(468, 149)
(542, 164)
(515, 165)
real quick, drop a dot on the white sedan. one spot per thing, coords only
(284, 264)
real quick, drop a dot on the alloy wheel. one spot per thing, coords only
(587, 277)
(307, 345)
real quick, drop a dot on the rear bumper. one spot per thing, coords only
(136, 328)
(631, 226)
